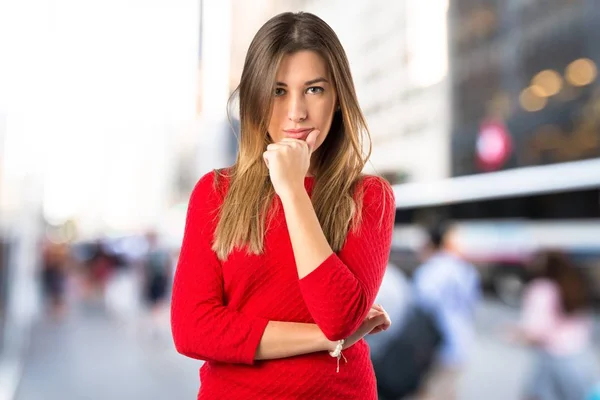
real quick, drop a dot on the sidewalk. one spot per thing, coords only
(10, 373)
(90, 356)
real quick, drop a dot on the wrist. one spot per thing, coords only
(330, 345)
(323, 343)
(337, 350)
(293, 194)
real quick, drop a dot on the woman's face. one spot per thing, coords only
(304, 98)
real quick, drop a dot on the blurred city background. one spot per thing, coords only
(486, 112)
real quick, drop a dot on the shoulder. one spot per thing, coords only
(377, 190)
(215, 181)
(211, 180)
(427, 269)
(374, 183)
(204, 188)
(210, 187)
(378, 204)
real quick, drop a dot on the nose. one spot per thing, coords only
(297, 111)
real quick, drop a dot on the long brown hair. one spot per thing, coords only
(574, 291)
(337, 163)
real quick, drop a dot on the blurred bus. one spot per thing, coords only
(504, 217)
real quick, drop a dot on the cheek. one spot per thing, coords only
(326, 118)
(275, 124)
(322, 112)
(329, 121)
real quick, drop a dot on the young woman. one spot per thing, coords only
(557, 323)
(284, 252)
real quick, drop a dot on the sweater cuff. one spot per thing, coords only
(253, 340)
(322, 273)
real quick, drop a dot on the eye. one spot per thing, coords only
(315, 90)
(279, 92)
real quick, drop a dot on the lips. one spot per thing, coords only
(297, 133)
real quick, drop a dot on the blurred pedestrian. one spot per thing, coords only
(395, 294)
(556, 322)
(404, 353)
(100, 267)
(156, 271)
(54, 277)
(447, 286)
(284, 252)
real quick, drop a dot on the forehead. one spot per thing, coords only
(302, 66)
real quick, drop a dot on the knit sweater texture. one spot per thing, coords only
(219, 310)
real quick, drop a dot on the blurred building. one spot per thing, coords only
(525, 90)
(109, 105)
(210, 141)
(526, 93)
(525, 138)
(85, 134)
(20, 179)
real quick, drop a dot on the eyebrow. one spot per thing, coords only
(307, 83)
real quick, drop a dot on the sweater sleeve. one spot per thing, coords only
(203, 327)
(340, 291)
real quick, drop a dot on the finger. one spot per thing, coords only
(382, 325)
(380, 328)
(387, 323)
(377, 320)
(266, 158)
(273, 146)
(377, 311)
(378, 307)
(291, 141)
(311, 140)
(388, 320)
(289, 145)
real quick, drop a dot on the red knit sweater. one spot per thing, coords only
(220, 309)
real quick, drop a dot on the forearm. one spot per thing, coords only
(339, 288)
(338, 302)
(305, 232)
(288, 339)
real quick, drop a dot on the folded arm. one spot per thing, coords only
(202, 326)
(339, 289)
